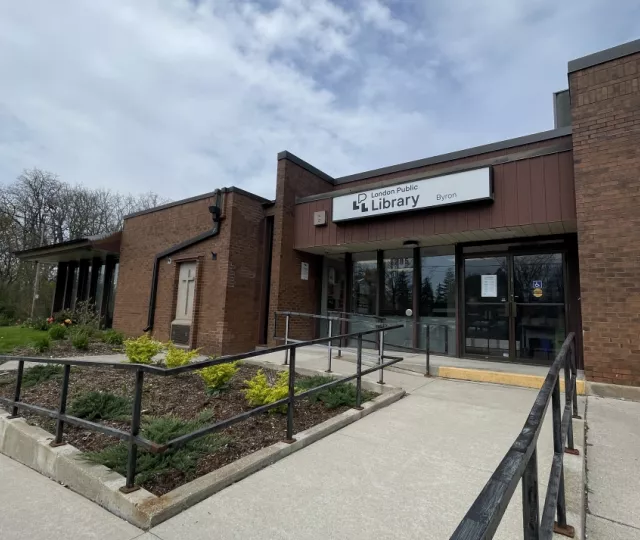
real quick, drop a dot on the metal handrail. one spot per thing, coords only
(521, 463)
(133, 437)
(379, 320)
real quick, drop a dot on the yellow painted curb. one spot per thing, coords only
(500, 377)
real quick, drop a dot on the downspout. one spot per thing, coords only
(216, 211)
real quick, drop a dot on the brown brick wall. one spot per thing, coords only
(142, 237)
(288, 291)
(605, 101)
(244, 276)
(226, 295)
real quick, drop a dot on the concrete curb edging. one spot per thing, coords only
(29, 445)
(615, 391)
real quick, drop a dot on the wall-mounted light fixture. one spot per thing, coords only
(410, 243)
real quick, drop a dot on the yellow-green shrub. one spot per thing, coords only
(215, 377)
(260, 392)
(141, 350)
(177, 357)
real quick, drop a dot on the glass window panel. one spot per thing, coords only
(364, 296)
(438, 299)
(365, 283)
(538, 278)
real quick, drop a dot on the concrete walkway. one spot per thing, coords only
(32, 507)
(410, 470)
(613, 469)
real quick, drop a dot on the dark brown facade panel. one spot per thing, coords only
(533, 191)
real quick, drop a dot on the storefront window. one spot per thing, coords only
(398, 282)
(398, 295)
(365, 294)
(438, 299)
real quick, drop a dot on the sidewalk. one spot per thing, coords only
(613, 469)
(408, 471)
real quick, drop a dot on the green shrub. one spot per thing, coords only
(80, 339)
(57, 332)
(42, 344)
(100, 406)
(160, 430)
(337, 396)
(177, 357)
(260, 392)
(36, 323)
(40, 373)
(216, 377)
(141, 350)
(112, 337)
(6, 320)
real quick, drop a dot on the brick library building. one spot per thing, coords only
(505, 248)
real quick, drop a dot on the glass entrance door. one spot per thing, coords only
(538, 306)
(486, 306)
(515, 306)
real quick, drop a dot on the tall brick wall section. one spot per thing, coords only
(605, 103)
(142, 237)
(226, 303)
(244, 274)
(288, 291)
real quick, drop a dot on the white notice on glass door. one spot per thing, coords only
(304, 271)
(489, 286)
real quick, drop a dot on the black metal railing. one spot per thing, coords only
(133, 437)
(521, 463)
(377, 322)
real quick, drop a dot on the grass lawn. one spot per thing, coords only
(16, 336)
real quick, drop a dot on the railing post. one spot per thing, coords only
(359, 373)
(530, 502)
(292, 393)
(286, 339)
(568, 400)
(132, 456)
(574, 377)
(330, 335)
(381, 356)
(446, 339)
(16, 395)
(560, 526)
(427, 340)
(62, 409)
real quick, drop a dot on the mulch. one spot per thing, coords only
(64, 349)
(183, 396)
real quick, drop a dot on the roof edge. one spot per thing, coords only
(171, 204)
(476, 150)
(248, 194)
(607, 55)
(301, 163)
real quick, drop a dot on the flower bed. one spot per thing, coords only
(169, 405)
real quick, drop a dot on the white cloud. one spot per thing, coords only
(181, 97)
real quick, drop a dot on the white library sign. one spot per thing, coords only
(466, 186)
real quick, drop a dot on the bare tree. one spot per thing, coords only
(40, 209)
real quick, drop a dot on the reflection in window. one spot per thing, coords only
(398, 282)
(398, 295)
(438, 300)
(365, 283)
(364, 295)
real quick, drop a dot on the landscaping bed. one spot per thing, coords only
(171, 406)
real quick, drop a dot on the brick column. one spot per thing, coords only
(605, 106)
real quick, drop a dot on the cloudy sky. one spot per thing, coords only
(184, 96)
